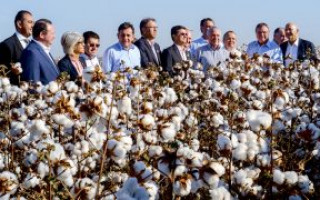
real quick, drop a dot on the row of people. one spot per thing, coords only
(81, 50)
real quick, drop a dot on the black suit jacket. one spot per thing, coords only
(10, 52)
(171, 56)
(65, 65)
(302, 49)
(147, 55)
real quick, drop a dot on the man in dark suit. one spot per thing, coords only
(178, 51)
(149, 49)
(296, 48)
(36, 60)
(11, 48)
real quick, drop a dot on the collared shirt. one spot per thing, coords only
(23, 40)
(291, 52)
(47, 50)
(196, 44)
(90, 62)
(208, 56)
(154, 51)
(117, 58)
(182, 52)
(270, 48)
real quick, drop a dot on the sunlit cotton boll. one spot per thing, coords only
(43, 170)
(9, 183)
(220, 193)
(240, 153)
(147, 121)
(155, 151)
(182, 187)
(291, 177)
(152, 188)
(235, 84)
(63, 120)
(168, 132)
(218, 168)
(258, 119)
(124, 105)
(87, 185)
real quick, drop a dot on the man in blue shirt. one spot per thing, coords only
(205, 25)
(122, 54)
(264, 46)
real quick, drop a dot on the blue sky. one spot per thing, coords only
(104, 17)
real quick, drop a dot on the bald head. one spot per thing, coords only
(292, 32)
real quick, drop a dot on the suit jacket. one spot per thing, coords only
(10, 52)
(302, 49)
(171, 56)
(37, 65)
(65, 65)
(147, 55)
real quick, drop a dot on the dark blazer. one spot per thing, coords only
(10, 52)
(37, 65)
(65, 65)
(147, 55)
(171, 56)
(302, 49)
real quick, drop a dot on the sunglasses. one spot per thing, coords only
(94, 45)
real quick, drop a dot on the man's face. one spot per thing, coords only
(149, 31)
(262, 34)
(47, 36)
(214, 38)
(181, 37)
(280, 36)
(189, 39)
(126, 37)
(292, 32)
(92, 47)
(25, 25)
(230, 41)
(206, 26)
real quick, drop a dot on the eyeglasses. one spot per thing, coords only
(94, 45)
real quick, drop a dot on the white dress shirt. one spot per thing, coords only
(291, 52)
(24, 41)
(117, 58)
(182, 52)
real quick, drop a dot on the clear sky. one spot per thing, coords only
(104, 17)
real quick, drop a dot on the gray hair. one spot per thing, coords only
(69, 40)
(211, 30)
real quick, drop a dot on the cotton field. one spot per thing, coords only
(247, 129)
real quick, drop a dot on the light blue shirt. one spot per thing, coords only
(117, 58)
(210, 57)
(270, 48)
(196, 44)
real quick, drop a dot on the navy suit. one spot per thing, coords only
(147, 55)
(65, 65)
(171, 56)
(302, 49)
(10, 52)
(37, 65)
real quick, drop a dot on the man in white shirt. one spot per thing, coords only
(92, 44)
(213, 53)
(296, 48)
(263, 46)
(124, 53)
(11, 48)
(205, 25)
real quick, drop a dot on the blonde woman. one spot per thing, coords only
(73, 46)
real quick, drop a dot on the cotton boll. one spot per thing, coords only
(258, 120)
(87, 185)
(195, 144)
(191, 121)
(57, 153)
(168, 132)
(171, 95)
(257, 105)
(263, 160)
(43, 170)
(62, 120)
(38, 127)
(240, 153)
(305, 184)
(9, 183)
(211, 179)
(30, 157)
(132, 190)
(235, 84)
(240, 176)
(218, 168)
(179, 171)
(147, 121)
(31, 181)
(291, 177)
(220, 193)
(217, 120)
(53, 87)
(124, 105)
(154, 151)
(152, 188)
(182, 187)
